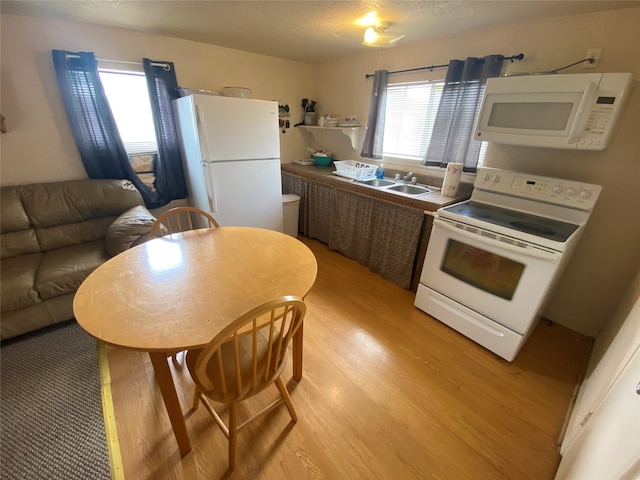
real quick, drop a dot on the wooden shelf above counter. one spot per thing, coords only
(351, 132)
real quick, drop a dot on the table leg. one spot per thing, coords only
(171, 402)
(297, 353)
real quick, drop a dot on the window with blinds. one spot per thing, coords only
(409, 119)
(129, 101)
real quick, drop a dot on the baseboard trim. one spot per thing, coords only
(111, 431)
(574, 396)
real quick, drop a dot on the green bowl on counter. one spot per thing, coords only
(322, 159)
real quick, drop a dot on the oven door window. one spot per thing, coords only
(485, 270)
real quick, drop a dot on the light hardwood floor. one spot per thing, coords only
(387, 393)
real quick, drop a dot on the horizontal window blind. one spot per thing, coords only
(459, 107)
(129, 101)
(141, 148)
(410, 115)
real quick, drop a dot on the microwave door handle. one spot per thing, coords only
(581, 118)
(529, 252)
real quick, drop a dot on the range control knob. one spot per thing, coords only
(557, 189)
(496, 179)
(571, 191)
(585, 193)
(486, 177)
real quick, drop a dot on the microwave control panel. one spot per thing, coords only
(611, 94)
(599, 123)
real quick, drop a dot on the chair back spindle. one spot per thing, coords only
(182, 219)
(246, 356)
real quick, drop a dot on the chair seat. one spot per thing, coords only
(244, 359)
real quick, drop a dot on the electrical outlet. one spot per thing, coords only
(594, 53)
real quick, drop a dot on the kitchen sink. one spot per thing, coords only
(408, 189)
(378, 182)
(395, 186)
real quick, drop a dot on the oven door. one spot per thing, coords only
(504, 282)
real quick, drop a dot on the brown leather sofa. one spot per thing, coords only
(53, 235)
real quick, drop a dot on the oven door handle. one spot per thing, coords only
(543, 255)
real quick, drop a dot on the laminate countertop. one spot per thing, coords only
(429, 202)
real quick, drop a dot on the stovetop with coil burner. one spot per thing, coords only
(511, 219)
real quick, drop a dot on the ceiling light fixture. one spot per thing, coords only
(370, 35)
(369, 20)
(377, 36)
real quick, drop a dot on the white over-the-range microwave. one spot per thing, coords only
(573, 111)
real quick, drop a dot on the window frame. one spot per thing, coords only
(430, 111)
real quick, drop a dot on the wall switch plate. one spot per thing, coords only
(594, 53)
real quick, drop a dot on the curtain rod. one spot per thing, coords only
(153, 64)
(520, 56)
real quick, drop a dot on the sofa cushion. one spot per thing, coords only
(61, 236)
(17, 281)
(64, 269)
(126, 230)
(14, 244)
(14, 217)
(24, 320)
(18, 236)
(76, 211)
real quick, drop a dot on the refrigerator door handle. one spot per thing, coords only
(202, 133)
(211, 193)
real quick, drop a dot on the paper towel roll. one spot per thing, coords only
(452, 179)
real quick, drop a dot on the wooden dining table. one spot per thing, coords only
(177, 292)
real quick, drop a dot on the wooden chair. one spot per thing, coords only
(181, 219)
(244, 359)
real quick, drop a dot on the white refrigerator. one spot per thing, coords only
(231, 156)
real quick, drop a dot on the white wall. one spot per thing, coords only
(39, 145)
(608, 255)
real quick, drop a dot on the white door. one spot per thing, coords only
(236, 128)
(608, 446)
(612, 351)
(613, 357)
(245, 193)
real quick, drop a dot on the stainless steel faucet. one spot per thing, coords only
(407, 177)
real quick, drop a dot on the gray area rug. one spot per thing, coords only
(51, 418)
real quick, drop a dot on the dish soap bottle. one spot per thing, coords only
(380, 172)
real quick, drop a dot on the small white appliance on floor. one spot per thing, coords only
(492, 260)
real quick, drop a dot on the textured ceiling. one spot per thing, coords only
(301, 30)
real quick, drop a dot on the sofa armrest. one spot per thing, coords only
(129, 229)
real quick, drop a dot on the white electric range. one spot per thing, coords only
(492, 260)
